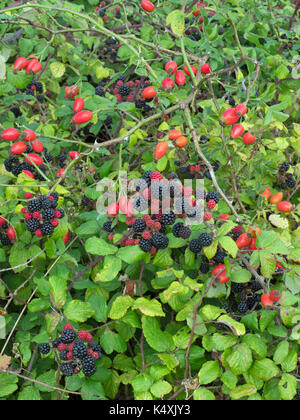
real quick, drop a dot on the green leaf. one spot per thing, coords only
(210, 251)
(211, 312)
(209, 372)
(176, 20)
(97, 246)
(110, 341)
(131, 255)
(148, 307)
(8, 384)
(264, 369)
(155, 337)
(287, 387)
(57, 69)
(243, 391)
(79, 311)
(202, 394)
(281, 352)
(58, 288)
(237, 328)
(161, 388)
(240, 276)
(229, 245)
(29, 393)
(240, 360)
(88, 228)
(100, 307)
(120, 306)
(111, 267)
(256, 344)
(229, 379)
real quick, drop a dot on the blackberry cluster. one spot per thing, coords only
(109, 50)
(124, 90)
(205, 239)
(78, 350)
(4, 239)
(42, 215)
(213, 195)
(15, 166)
(35, 89)
(99, 90)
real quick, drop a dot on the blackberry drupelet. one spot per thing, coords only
(45, 348)
(195, 246)
(34, 205)
(145, 245)
(107, 226)
(79, 349)
(68, 336)
(160, 241)
(67, 369)
(168, 218)
(212, 195)
(47, 229)
(48, 214)
(205, 239)
(139, 225)
(124, 90)
(88, 366)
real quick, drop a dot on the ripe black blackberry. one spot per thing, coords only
(251, 301)
(168, 218)
(284, 167)
(243, 307)
(63, 355)
(55, 196)
(182, 206)
(255, 286)
(291, 182)
(297, 397)
(62, 213)
(43, 170)
(48, 157)
(88, 366)
(195, 246)
(140, 184)
(67, 369)
(85, 201)
(176, 229)
(45, 348)
(108, 121)
(212, 195)
(236, 236)
(237, 287)
(41, 98)
(79, 349)
(145, 245)
(33, 225)
(204, 268)
(140, 204)
(124, 90)
(219, 257)
(5, 225)
(68, 336)
(5, 241)
(147, 178)
(160, 241)
(45, 202)
(159, 190)
(147, 108)
(99, 91)
(56, 343)
(185, 232)
(107, 226)
(205, 239)
(139, 225)
(95, 347)
(139, 104)
(16, 111)
(62, 158)
(16, 170)
(47, 229)
(48, 214)
(163, 228)
(34, 205)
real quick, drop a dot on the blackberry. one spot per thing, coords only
(243, 307)
(284, 167)
(140, 204)
(221, 30)
(212, 195)
(205, 239)
(5, 241)
(291, 182)
(237, 287)
(34, 205)
(121, 78)
(147, 178)
(45, 202)
(67, 369)
(39, 87)
(118, 15)
(139, 104)
(33, 225)
(102, 12)
(140, 184)
(177, 162)
(99, 91)
(47, 229)
(176, 229)
(139, 225)
(181, 205)
(43, 169)
(29, 92)
(124, 90)
(283, 186)
(231, 101)
(236, 236)
(107, 226)
(216, 166)
(163, 228)
(204, 268)
(29, 149)
(63, 355)
(45, 348)
(243, 296)
(85, 201)
(145, 245)
(48, 157)
(168, 218)
(88, 366)
(5, 225)
(183, 169)
(55, 196)
(79, 349)
(185, 232)
(16, 111)
(207, 175)
(16, 170)
(48, 214)
(159, 190)
(297, 397)
(95, 347)
(160, 241)
(195, 246)
(251, 301)
(41, 98)
(203, 140)
(108, 121)
(255, 286)
(68, 336)
(219, 257)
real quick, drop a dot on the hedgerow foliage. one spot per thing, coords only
(168, 327)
